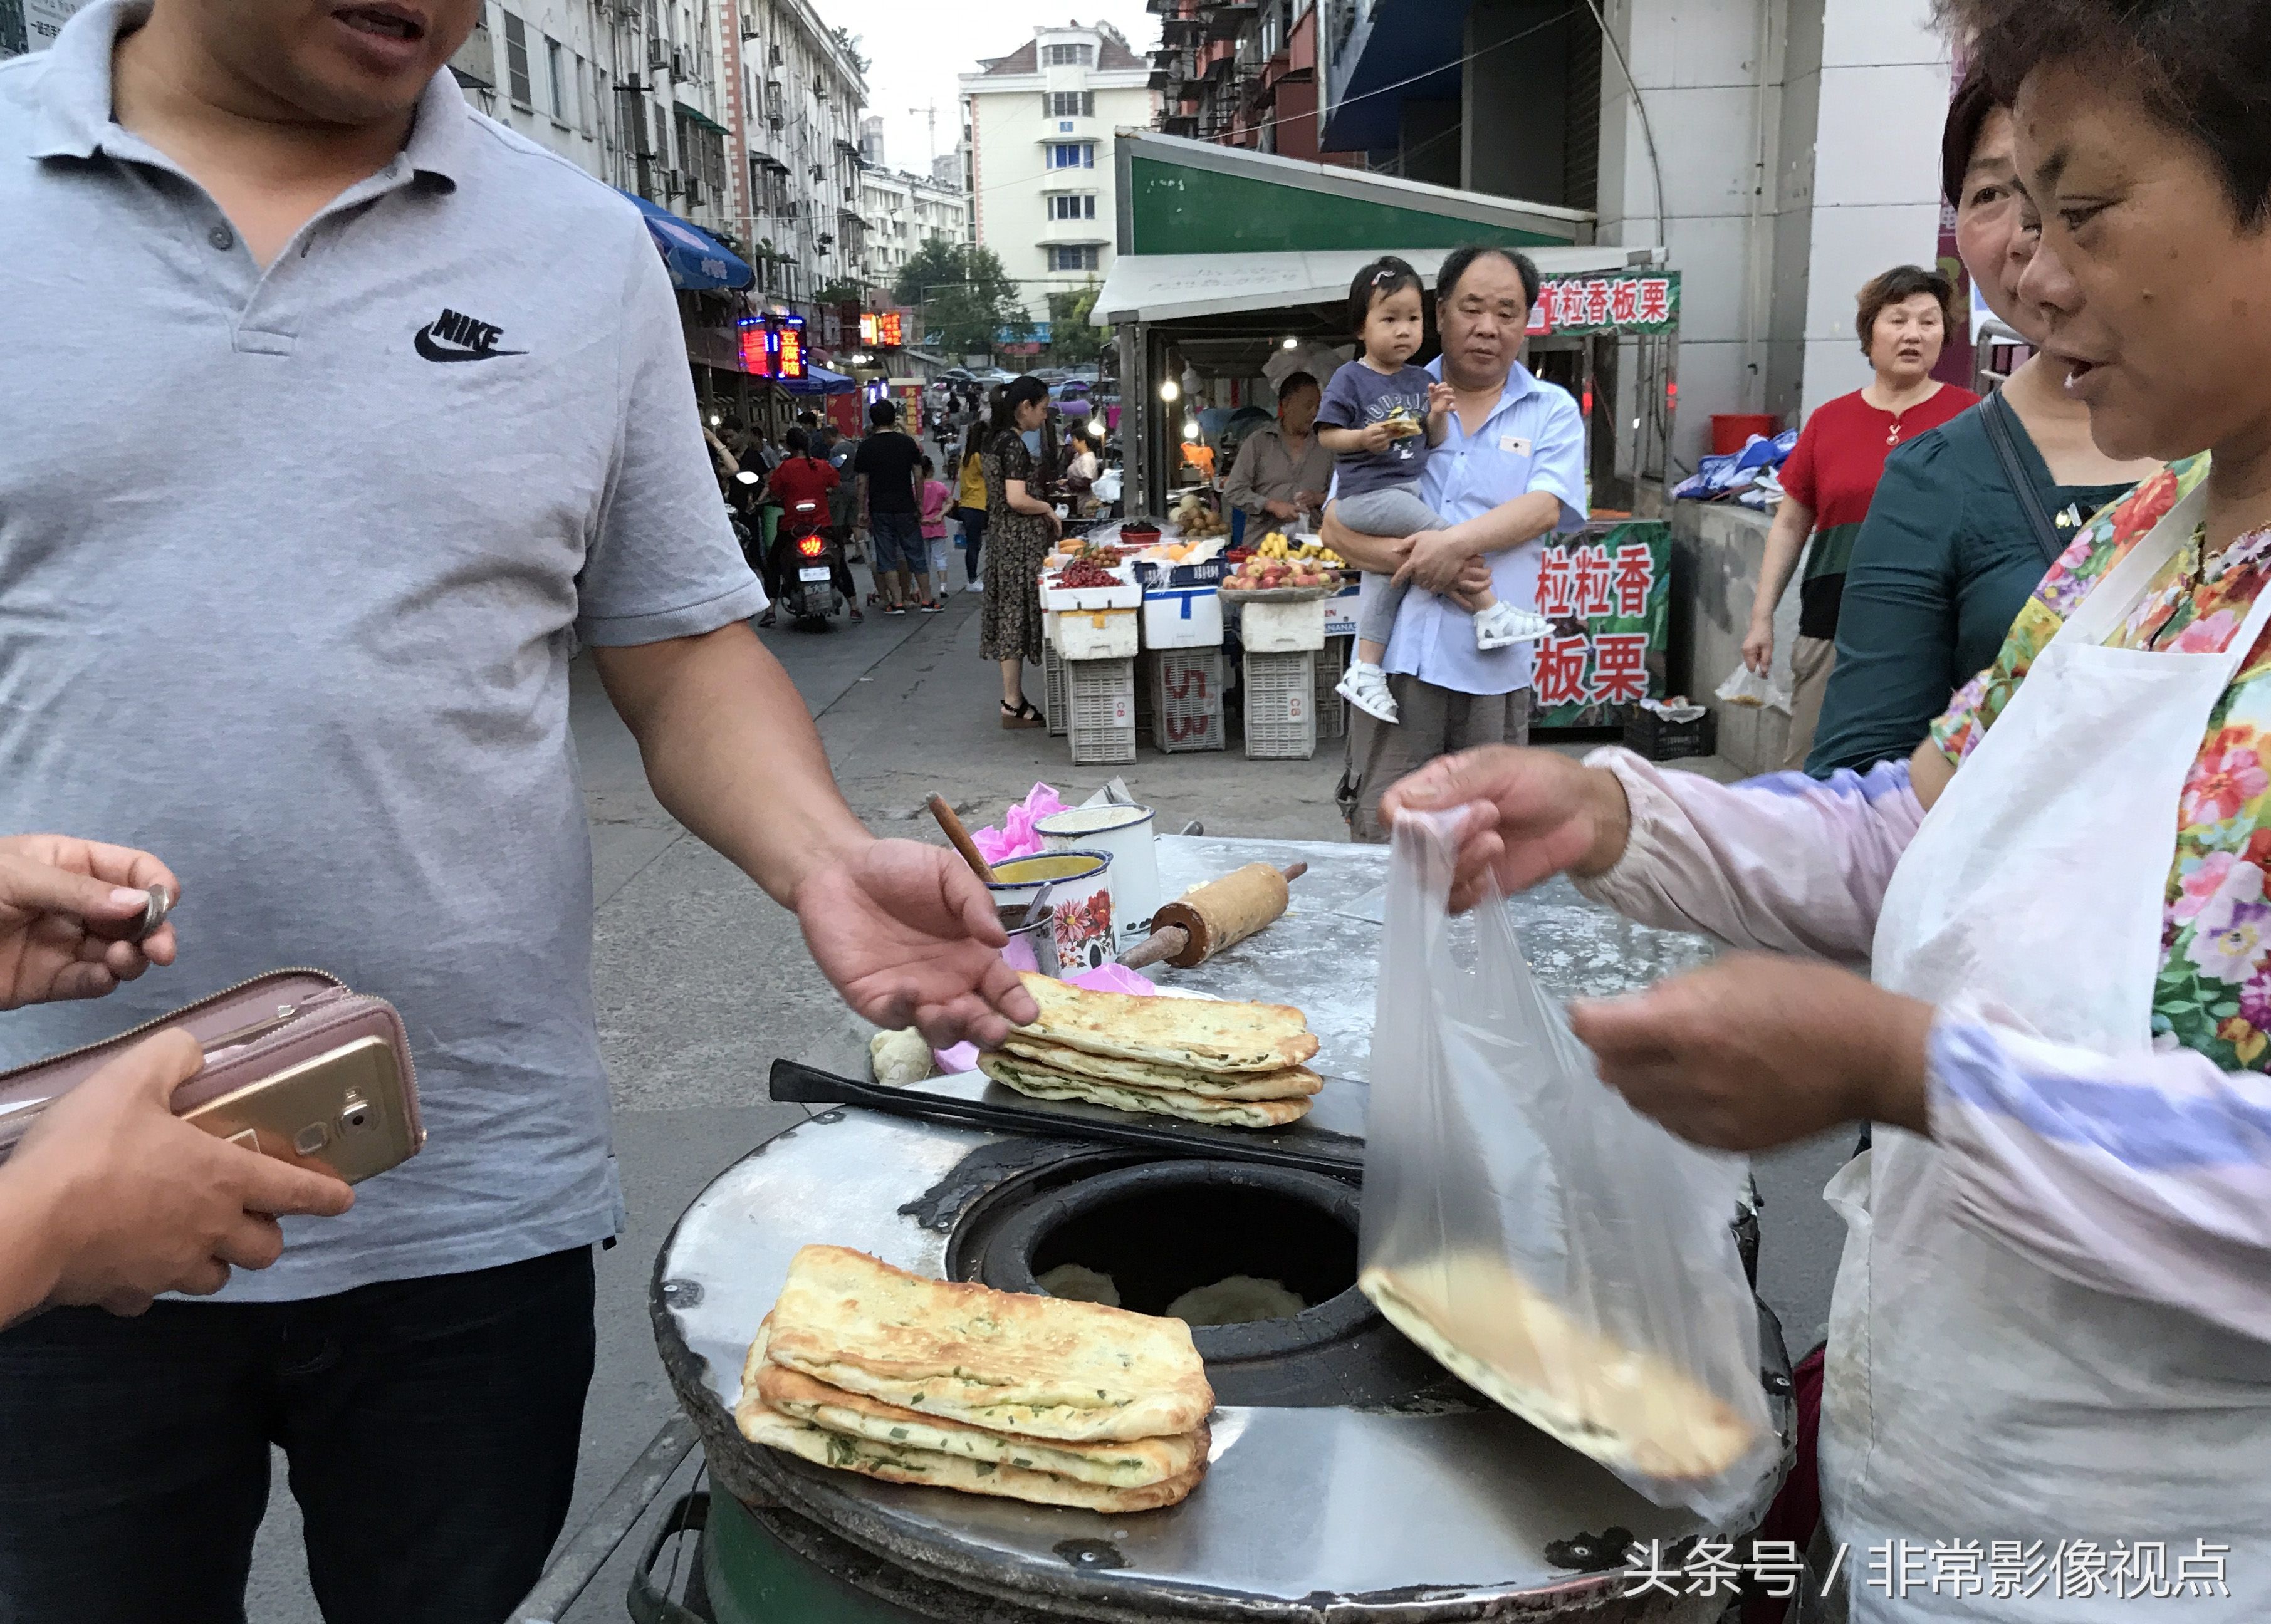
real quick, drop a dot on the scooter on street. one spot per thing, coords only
(808, 567)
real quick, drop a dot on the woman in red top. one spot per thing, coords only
(1828, 482)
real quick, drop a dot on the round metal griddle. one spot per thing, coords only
(1410, 1501)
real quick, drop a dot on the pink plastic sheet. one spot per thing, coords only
(1018, 836)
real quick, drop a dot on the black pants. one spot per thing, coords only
(431, 1426)
(973, 535)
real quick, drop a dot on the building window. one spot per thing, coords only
(1073, 205)
(516, 61)
(1081, 259)
(1068, 55)
(1072, 104)
(1072, 155)
(555, 74)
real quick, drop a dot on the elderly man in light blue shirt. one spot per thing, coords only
(1511, 471)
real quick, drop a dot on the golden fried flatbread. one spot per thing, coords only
(1290, 1083)
(1037, 1366)
(1494, 1331)
(895, 1462)
(1045, 1083)
(1135, 1464)
(1193, 1034)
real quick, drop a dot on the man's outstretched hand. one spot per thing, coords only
(909, 936)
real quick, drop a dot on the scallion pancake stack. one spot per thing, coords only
(1238, 1064)
(870, 1369)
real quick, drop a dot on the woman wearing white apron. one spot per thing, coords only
(2049, 1387)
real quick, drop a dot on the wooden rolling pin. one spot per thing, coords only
(1214, 916)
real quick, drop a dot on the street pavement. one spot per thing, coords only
(701, 982)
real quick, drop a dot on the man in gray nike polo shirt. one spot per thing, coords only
(336, 416)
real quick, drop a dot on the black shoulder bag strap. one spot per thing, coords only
(1995, 415)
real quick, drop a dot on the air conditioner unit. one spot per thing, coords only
(657, 55)
(749, 29)
(672, 182)
(678, 65)
(779, 58)
(694, 189)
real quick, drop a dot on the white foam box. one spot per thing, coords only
(1282, 628)
(1340, 612)
(1097, 634)
(1125, 594)
(1182, 617)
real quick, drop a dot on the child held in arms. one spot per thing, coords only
(1379, 417)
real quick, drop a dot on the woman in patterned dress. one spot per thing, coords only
(1020, 529)
(2052, 1330)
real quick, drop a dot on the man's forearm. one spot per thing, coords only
(732, 753)
(1510, 524)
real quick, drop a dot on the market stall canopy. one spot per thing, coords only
(1178, 196)
(819, 381)
(1164, 287)
(698, 263)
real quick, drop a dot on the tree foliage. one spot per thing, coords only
(1072, 341)
(964, 293)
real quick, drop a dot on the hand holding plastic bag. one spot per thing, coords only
(1553, 1248)
(1746, 686)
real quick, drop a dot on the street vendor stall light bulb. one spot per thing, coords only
(1170, 391)
(744, 477)
(715, 420)
(1190, 429)
(1292, 344)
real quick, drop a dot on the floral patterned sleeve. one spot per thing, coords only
(2102, 544)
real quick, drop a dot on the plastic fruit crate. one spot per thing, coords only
(1186, 699)
(1332, 709)
(1054, 704)
(1281, 705)
(1101, 695)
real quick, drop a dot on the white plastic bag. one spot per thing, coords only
(1746, 687)
(1549, 1245)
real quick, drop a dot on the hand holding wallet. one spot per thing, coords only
(298, 1066)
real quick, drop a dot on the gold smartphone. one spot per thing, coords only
(345, 1112)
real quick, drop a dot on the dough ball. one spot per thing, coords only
(1078, 1283)
(1236, 1301)
(898, 1057)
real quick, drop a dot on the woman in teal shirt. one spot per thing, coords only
(1950, 549)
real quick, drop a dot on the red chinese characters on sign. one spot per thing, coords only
(1655, 299)
(1624, 302)
(1553, 600)
(1635, 579)
(1561, 671)
(890, 330)
(792, 353)
(1596, 304)
(1620, 667)
(1591, 577)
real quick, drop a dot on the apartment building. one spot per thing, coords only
(1242, 74)
(904, 211)
(1041, 122)
(800, 96)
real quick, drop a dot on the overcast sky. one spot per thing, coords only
(916, 48)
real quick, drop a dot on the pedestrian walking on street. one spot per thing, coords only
(888, 467)
(1021, 528)
(348, 731)
(935, 498)
(1967, 516)
(1901, 322)
(970, 504)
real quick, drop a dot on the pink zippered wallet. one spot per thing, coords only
(251, 1032)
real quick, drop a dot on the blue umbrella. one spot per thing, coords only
(697, 261)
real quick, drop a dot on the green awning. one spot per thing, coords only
(1178, 196)
(696, 116)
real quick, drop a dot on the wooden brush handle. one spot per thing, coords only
(960, 835)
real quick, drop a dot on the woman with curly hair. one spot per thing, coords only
(2050, 1347)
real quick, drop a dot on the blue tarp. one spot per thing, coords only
(697, 261)
(819, 381)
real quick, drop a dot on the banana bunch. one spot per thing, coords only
(1276, 544)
